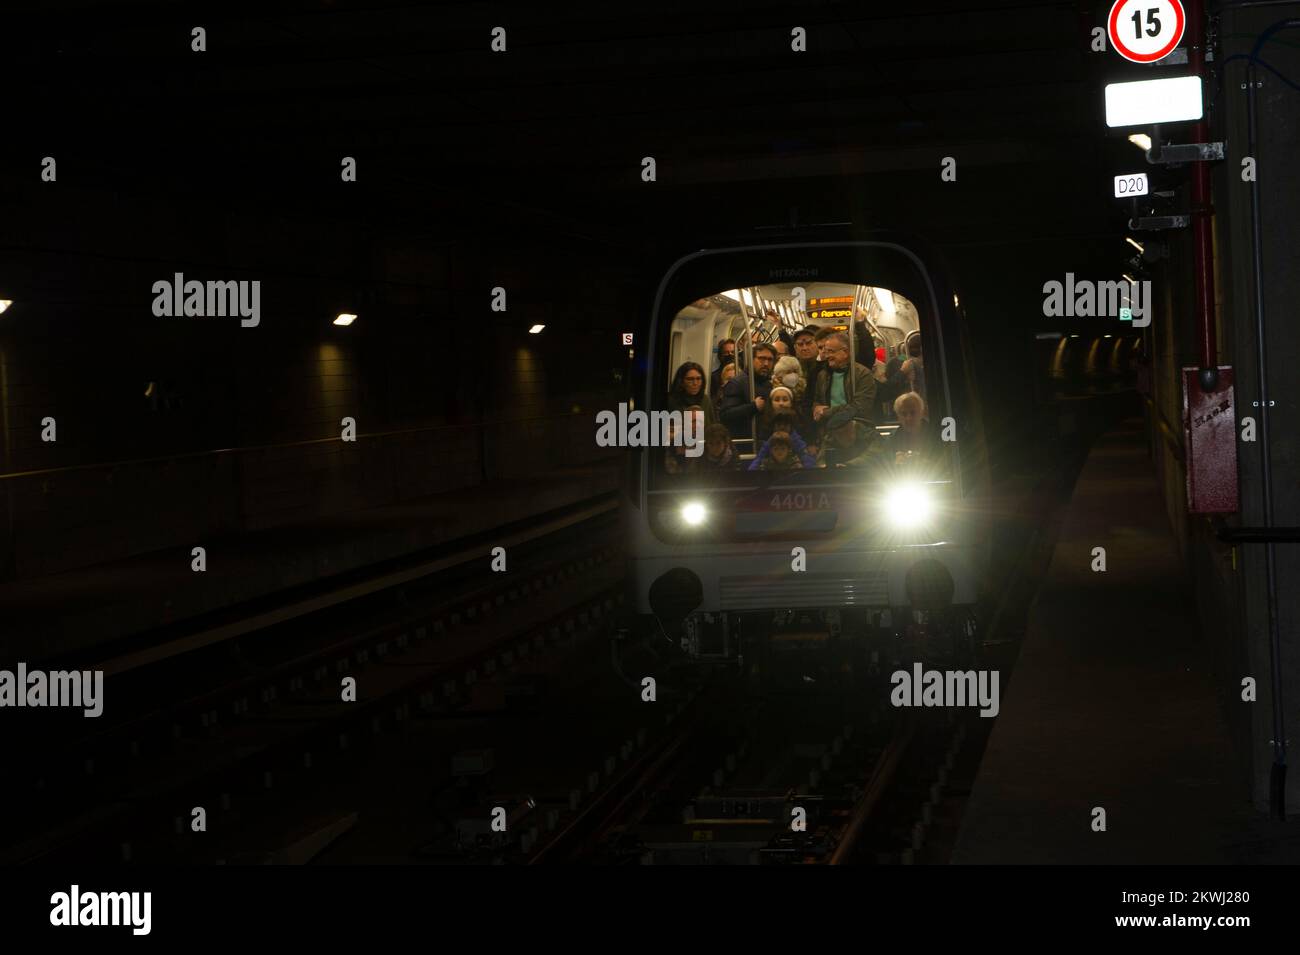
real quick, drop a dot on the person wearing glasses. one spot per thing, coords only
(738, 409)
(688, 390)
(842, 393)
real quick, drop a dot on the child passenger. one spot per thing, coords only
(718, 453)
(784, 424)
(780, 455)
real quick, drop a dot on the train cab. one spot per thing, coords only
(836, 479)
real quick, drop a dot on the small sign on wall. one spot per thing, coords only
(1132, 184)
(1210, 442)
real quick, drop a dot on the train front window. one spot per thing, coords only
(800, 384)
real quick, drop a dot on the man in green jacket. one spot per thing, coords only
(845, 390)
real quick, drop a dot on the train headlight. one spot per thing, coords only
(694, 513)
(908, 504)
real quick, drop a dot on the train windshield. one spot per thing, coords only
(793, 385)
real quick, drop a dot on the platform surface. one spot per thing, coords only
(1112, 703)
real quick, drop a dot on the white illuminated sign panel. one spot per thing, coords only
(1148, 102)
(1133, 184)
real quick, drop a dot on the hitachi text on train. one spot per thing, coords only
(656, 429)
(1088, 299)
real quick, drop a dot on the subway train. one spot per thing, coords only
(875, 541)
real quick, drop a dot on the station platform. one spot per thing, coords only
(1112, 703)
(93, 612)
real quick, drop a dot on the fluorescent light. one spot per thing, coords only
(1146, 102)
(1132, 280)
(886, 299)
(733, 295)
(1048, 336)
(345, 318)
(1141, 141)
(1137, 245)
(536, 330)
(4, 304)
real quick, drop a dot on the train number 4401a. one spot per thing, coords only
(800, 502)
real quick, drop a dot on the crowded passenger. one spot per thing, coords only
(718, 453)
(844, 390)
(789, 372)
(890, 383)
(728, 371)
(688, 390)
(738, 408)
(913, 369)
(779, 399)
(805, 347)
(726, 352)
(676, 459)
(779, 456)
(783, 344)
(912, 439)
(819, 338)
(849, 444)
(785, 424)
(864, 345)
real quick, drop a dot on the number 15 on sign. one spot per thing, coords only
(1145, 31)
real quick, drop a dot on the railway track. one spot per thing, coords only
(253, 716)
(451, 724)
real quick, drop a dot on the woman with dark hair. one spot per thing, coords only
(688, 390)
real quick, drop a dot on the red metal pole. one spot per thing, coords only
(1202, 209)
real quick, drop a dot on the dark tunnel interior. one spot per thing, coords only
(329, 538)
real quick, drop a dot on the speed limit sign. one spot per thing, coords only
(1145, 30)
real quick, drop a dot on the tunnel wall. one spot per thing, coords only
(172, 431)
(1230, 583)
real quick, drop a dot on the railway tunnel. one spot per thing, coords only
(315, 551)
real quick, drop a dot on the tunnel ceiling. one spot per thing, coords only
(437, 122)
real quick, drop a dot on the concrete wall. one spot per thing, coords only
(174, 430)
(1230, 583)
